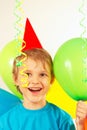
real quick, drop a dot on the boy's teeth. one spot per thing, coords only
(34, 89)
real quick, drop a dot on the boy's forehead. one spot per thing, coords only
(33, 62)
(36, 62)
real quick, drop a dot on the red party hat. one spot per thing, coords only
(30, 38)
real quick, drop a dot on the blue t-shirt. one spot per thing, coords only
(50, 117)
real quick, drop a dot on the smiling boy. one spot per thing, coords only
(33, 75)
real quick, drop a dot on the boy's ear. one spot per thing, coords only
(52, 80)
(15, 80)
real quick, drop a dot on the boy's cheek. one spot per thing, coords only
(23, 81)
(47, 83)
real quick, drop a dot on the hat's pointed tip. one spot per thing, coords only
(30, 37)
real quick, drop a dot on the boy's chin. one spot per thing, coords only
(37, 100)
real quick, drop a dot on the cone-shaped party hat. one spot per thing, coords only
(30, 38)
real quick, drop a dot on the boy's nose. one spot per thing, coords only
(35, 80)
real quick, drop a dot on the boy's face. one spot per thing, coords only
(37, 76)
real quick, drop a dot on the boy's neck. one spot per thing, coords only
(34, 105)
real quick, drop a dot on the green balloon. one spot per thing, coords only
(70, 68)
(7, 55)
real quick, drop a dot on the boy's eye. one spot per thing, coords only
(29, 74)
(43, 74)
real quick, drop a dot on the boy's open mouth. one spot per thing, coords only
(35, 89)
